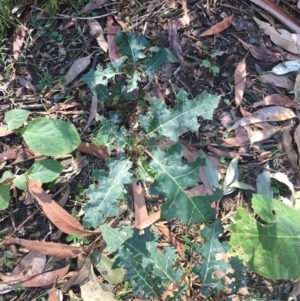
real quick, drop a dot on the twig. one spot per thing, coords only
(60, 16)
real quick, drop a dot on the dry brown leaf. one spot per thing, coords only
(47, 248)
(63, 200)
(281, 81)
(204, 180)
(58, 216)
(26, 83)
(53, 295)
(63, 106)
(197, 190)
(93, 150)
(286, 146)
(280, 37)
(219, 27)
(261, 53)
(4, 131)
(147, 221)
(92, 289)
(237, 141)
(278, 100)
(18, 40)
(257, 136)
(172, 239)
(93, 111)
(186, 16)
(92, 5)
(12, 154)
(266, 115)
(112, 46)
(140, 209)
(77, 68)
(240, 74)
(174, 43)
(31, 264)
(96, 29)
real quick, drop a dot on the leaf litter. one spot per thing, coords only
(188, 167)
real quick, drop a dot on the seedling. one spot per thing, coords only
(207, 64)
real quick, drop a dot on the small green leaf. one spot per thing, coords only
(206, 64)
(51, 137)
(45, 171)
(15, 118)
(174, 122)
(263, 184)
(4, 196)
(104, 266)
(215, 69)
(132, 45)
(101, 76)
(157, 57)
(270, 243)
(110, 133)
(20, 181)
(6, 176)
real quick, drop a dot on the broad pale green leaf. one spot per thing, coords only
(110, 133)
(210, 262)
(104, 266)
(51, 137)
(4, 196)
(104, 196)
(7, 177)
(157, 57)
(176, 121)
(45, 171)
(269, 245)
(173, 178)
(101, 76)
(148, 270)
(15, 118)
(20, 181)
(132, 45)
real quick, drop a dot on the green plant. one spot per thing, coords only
(207, 64)
(77, 239)
(7, 259)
